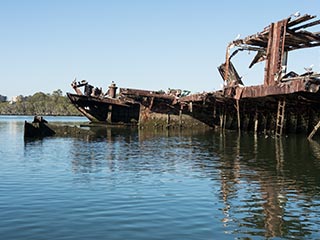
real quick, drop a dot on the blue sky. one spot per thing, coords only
(144, 44)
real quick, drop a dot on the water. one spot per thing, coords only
(130, 184)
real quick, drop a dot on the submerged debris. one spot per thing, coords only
(40, 128)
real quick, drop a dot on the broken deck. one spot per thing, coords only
(286, 101)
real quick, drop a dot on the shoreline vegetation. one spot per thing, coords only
(45, 104)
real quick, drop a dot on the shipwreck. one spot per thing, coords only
(286, 102)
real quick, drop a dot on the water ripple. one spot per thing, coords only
(131, 184)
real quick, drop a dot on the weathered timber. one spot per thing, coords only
(316, 127)
(260, 107)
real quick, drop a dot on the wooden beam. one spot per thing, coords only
(316, 127)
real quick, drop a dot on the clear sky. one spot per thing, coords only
(144, 44)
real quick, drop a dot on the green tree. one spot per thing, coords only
(40, 104)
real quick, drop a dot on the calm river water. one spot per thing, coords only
(130, 184)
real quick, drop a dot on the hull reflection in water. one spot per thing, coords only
(268, 185)
(126, 183)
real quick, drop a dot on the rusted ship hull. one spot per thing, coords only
(109, 111)
(297, 113)
(164, 110)
(212, 109)
(155, 109)
(301, 112)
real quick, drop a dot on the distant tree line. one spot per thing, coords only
(40, 104)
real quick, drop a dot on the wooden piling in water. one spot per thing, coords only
(180, 117)
(256, 122)
(315, 129)
(238, 115)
